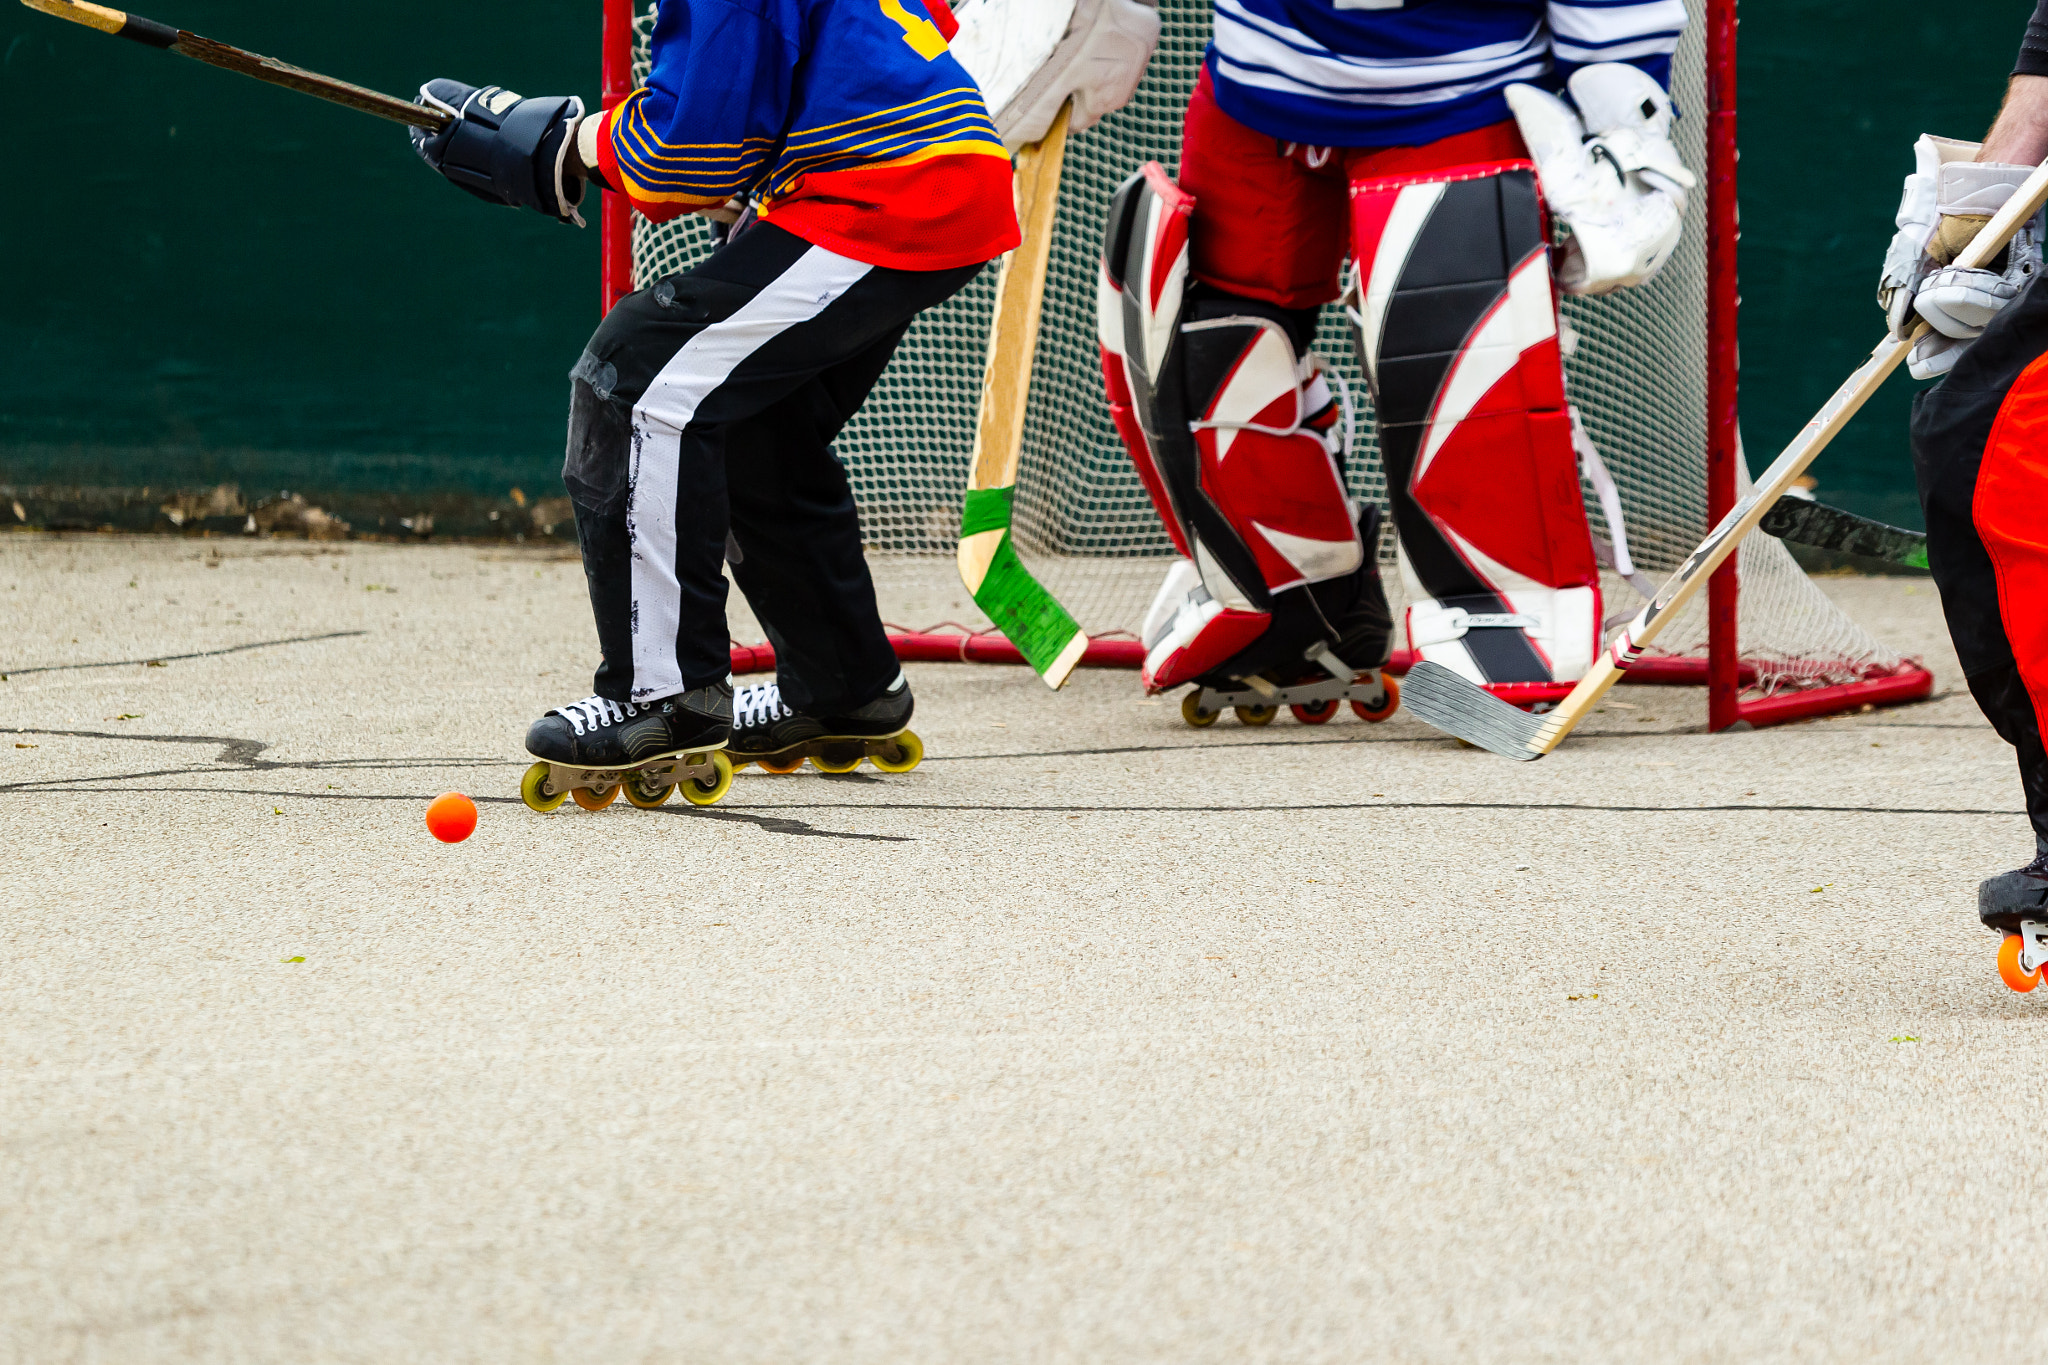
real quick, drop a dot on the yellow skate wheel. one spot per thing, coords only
(699, 791)
(595, 800)
(840, 758)
(1256, 715)
(1191, 711)
(1389, 704)
(2009, 965)
(781, 767)
(530, 790)
(899, 755)
(644, 794)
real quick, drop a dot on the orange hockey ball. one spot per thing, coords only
(452, 817)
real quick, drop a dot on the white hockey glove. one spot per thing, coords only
(1609, 171)
(1946, 201)
(1031, 56)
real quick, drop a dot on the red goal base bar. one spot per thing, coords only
(1909, 683)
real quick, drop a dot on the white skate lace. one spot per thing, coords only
(593, 712)
(758, 705)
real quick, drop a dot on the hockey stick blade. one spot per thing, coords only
(150, 33)
(1471, 713)
(1821, 527)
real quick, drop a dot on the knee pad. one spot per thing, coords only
(1455, 320)
(1232, 433)
(600, 438)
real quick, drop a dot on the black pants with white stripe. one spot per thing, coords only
(706, 406)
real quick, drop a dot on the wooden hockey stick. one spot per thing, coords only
(1461, 708)
(1819, 526)
(137, 29)
(1043, 631)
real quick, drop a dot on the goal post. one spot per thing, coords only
(1653, 371)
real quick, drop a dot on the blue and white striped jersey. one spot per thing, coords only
(1398, 73)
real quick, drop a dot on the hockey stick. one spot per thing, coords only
(137, 29)
(1470, 713)
(1821, 527)
(1043, 631)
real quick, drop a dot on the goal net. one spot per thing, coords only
(1638, 375)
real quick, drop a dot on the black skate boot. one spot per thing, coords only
(2015, 904)
(767, 733)
(594, 748)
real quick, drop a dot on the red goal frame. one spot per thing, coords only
(1723, 671)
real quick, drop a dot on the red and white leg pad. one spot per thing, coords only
(1232, 434)
(1187, 632)
(1456, 320)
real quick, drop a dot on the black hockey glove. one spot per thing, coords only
(504, 149)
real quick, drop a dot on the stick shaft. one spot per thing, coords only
(1750, 508)
(150, 33)
(1013, 331)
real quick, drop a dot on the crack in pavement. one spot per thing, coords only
(243, 755)
(6, 673)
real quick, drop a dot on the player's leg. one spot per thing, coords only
(838, 690)
(668, 374)
(797, 534)
(1232, 425)
(1458, 336)
(1977, 439)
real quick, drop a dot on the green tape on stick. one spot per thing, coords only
(986, 509)
(1024, 611)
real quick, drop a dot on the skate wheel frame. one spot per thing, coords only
(535, 791)
(1373, 696)
(701, 788)
(2022, 955)
(1389, 701)
(836, 757)
(703, 777)
(898, 754)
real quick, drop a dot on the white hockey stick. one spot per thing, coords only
(1461, 708)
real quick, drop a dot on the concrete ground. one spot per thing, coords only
(1097, 1038)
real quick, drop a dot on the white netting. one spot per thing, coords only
(1083, 523)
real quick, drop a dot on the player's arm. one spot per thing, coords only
(698, 134)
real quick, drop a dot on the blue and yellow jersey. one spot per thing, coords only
(847, 121)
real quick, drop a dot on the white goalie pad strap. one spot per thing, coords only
(1594, 470)
(1030, 56)
(1559, 622)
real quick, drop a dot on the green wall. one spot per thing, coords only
(210, 279)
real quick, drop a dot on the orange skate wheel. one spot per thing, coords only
(1315, 712)
(1389, 704)
(595, 800)
(782, 767)
(2009, 965)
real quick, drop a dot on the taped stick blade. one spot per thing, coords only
(1466, 711)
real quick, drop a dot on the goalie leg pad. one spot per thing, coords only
(1456, 325)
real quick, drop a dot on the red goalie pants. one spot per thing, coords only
(1273, 221)
(1980, 449)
